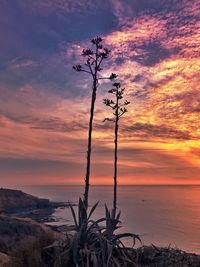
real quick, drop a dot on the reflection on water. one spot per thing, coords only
(162, 215)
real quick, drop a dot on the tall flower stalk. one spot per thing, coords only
(93, 66)
(119, 109)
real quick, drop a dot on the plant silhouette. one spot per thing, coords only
(94, 244)
(93, 66)
(119, 109)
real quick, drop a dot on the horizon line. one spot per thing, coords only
(7, 186)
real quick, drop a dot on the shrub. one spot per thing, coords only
(29, 252)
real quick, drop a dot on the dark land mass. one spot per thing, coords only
(20, 204)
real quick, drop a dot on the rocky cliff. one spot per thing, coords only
(15, 200)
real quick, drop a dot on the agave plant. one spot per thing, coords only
(97, 245)
(119, 109)
(85, 248)
(114, 251)
(93, 244)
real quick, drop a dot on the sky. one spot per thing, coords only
(44, 103)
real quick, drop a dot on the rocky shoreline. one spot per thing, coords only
(17, 203)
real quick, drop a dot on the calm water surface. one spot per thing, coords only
(162, 215)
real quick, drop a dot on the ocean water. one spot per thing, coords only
(161, 215)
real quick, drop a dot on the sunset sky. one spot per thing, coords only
(44, 104)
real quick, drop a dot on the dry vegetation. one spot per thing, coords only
(29, 251)
(31, 254)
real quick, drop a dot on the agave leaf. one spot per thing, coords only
(93, 209)
(74, 216)
(124, 251)
(113, 213)
(109, 251)
(118, 216)
(124, 235)
(74, 249)
(119, 236)
(79, 211)
(87, 252)
(95, 224)
(124, 256)
(114, 223)
(117, 227)
(82, 212)
(82, 234)
(116, 262)
(94, 260)
(156, 248)
(107, 212)
(99, 220)
(119, 242)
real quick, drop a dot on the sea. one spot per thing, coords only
(160, 215)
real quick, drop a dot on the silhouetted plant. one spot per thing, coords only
(84, 247)
(96, 245)
(114, 252)
(119, 109)
(93, 66)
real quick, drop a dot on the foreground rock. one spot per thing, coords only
(5, 260)
(13, 231)
(26, 243)
(22, 241)
(152, 256)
